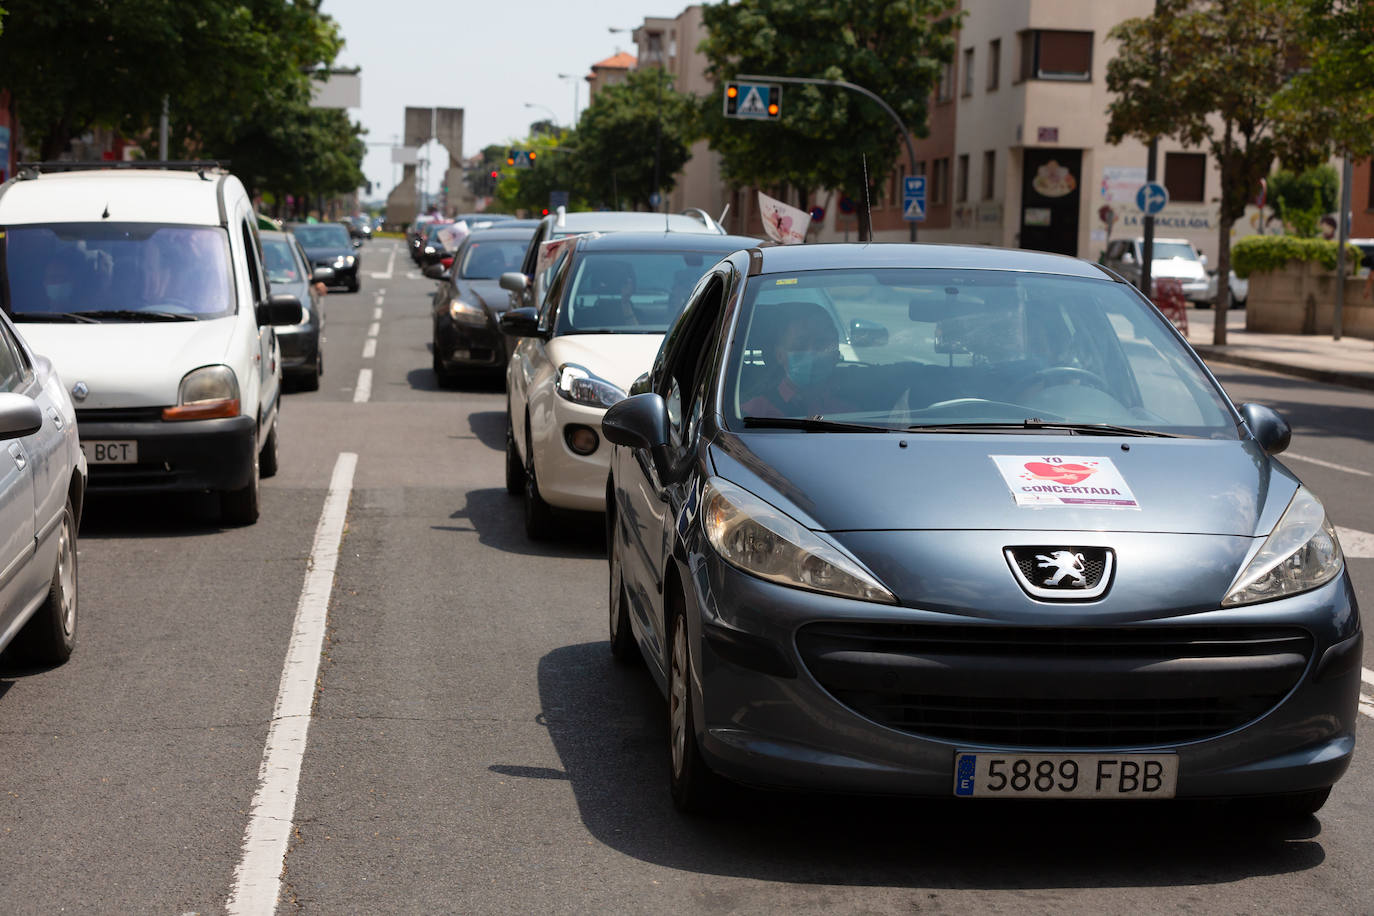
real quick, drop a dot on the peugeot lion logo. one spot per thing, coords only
(1064, 563)
(1062, 572)
(79, 391)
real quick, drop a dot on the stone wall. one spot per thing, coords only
(1301, 299)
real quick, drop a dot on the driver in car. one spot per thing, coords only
(801, 359)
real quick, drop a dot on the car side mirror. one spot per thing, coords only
(640, 385)
(19, 416)
(322, 275)
(514, 281)
(521, 323)
(435, 272)
(865, 333)
(1268, 427)
(280, 309)
(1128, 256)
(638, 422)
(357, 243)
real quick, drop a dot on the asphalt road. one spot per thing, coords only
(471, 747)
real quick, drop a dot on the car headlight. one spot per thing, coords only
(467, 313)
(578, 385)
(204, 394)
(1301, 553)
(344, 260)
(760, 539)
(429, 249)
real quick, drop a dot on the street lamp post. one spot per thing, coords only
(575, 81)
(553, 118)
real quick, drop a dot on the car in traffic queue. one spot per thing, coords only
(469, 302)
(329, 245)
(156, 313)
(42, 489)
(289, 271)
(598, 326)
(1021, 546)
(434, 247)
(415, 236)
(359, 227)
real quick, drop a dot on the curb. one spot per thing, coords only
(1361, 380)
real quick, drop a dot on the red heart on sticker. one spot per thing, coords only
(1067, 474)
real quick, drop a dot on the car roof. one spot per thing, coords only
(502, 232)
(837, 256)
(118, 195)
(628, 221)
(667, 241)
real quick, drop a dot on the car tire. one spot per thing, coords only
(515, 470)
(50, 635)
(694, 787)
(240, 507)
(538, 514)
(624, 649)
(310, 381)
(267, 458)
(442, 376)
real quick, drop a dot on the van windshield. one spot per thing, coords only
(115, 272)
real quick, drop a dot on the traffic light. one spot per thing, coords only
(510, 156)
(533, 156)
(753, 101)
(495, 174)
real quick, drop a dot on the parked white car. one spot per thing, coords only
(608, 302)
(144, 285)
(1176, 259)
(42, 488)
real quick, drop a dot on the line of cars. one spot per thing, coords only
(158, 322)
(912, 520)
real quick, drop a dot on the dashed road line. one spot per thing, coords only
(377, 313)
(374, 329)
(370, 348)
(390, 267)
(257, 879)
(363, 390)
(1329, 464)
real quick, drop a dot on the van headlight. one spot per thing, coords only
(760, 539)
(1301, 553)
(580, 386)
(205, 394)
(467, 313)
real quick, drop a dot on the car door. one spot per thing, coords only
(16, 506)
(530, 366)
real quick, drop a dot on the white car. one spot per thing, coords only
(608, 302)
(1176, 259)
(42, 487)
(144, 285)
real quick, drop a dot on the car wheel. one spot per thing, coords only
(267, 458)
(240, 507)
(693, 786)
(50, 635)
(441, 375)
(538, 514)
(515, 471)
(310, 380)
(623, 647)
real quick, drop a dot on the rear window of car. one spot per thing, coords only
(630, 292)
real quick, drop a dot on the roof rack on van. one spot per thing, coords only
(31, 170)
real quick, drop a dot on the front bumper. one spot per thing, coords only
(179, 456)
(465, 346)
(568, 480)
(343, 276)
(765, 718)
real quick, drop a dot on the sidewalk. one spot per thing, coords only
(1348, 361)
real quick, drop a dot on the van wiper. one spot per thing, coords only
(1076, 429)
(816, 424)
(135, 315)
(74, 317)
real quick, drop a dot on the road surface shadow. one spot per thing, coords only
(489, 426)
(609, 727)
(128, 515)
(498, 519)
(478, 382)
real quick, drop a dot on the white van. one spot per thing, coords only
(143, 283)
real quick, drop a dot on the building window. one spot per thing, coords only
(1185, 177)
(939, 181)
(961, 179)
(1052, 55)
(989, 174)
(994, 63)
(968, 72)
(944, 89)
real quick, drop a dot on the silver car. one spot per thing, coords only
(42, 487)
(938, 520)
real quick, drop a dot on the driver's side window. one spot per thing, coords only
(686, 362)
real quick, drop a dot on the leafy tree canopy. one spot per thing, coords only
(1300, 199)
(553, 170)
(1329, 103)
(894, 48)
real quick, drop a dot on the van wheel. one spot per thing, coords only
(267, 458)
(50, 635)
(240, 507)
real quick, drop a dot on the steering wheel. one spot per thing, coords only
(1056, 375)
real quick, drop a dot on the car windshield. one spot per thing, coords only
(322, 235)
(927, 348)
(630, 292)
(125, 268)
(1182, 250)
(489, 260)
(281, 265)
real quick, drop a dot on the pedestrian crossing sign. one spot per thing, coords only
(914, 198)
(753, 101)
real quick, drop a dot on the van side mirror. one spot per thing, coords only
(1268, 426)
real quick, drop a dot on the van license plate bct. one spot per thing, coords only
(987, 774)
(110, 451)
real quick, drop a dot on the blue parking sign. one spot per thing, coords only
(914, 198)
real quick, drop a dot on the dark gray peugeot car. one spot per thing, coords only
(955, 521)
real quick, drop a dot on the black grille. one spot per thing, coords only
(1093, 567)
(118, 414)
(1057, 687)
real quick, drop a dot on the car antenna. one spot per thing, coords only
(868, 205)
(724, 213)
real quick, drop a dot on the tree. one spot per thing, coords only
(553, 169)
(1206, 72)
(633, 133)
(1300, 199)
(1329, 103)
(894, 48)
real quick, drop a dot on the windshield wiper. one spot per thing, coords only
(816, 424)
(75, 317)
(134, 315)
(1076, 429)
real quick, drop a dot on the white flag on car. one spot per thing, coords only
(781, 223)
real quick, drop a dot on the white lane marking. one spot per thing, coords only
(377, 313)
(1367, 676)
(1358, 545)
(1328, 464)
(363, 390)
(370, 348)
(1367, 706)
(374, 329)
(257, 880)
(390, 266)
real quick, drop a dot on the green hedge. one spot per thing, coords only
(1271, 252)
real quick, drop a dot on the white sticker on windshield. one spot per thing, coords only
(1065, 480)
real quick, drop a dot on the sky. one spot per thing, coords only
(489, 59)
